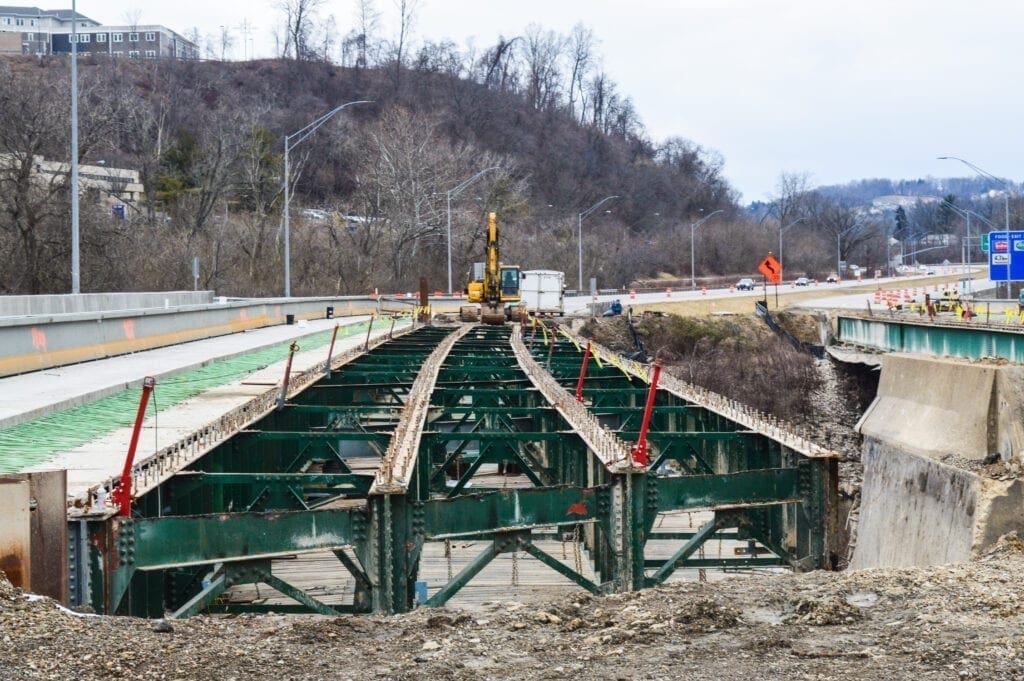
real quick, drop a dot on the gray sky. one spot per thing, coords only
(839, 90)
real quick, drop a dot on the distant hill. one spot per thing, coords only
(207, 139)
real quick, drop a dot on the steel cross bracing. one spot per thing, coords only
(493, 452)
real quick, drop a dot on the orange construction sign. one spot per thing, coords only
(771, 268)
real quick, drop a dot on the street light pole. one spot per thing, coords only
(76, 272)
(580, 235)
(782, 230)
(452, 193)
(693, 259)
(1006, 203)
(299, 136)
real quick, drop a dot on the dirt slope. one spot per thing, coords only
(958, 621)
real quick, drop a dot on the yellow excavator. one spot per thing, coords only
(493, 297)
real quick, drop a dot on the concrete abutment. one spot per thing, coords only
(935, 433)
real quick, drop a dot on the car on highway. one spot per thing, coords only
(832, 279)
(745, 284)
(802, 281)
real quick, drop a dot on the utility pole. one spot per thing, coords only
(76, 272)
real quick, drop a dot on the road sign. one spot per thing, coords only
(984, 243)
(772, 269)
(1006, 256)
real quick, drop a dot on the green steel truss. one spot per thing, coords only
(299, 480)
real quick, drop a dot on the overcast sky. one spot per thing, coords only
(841, 90)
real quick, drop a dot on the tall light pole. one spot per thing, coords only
(299, 136)
(693, 258)
(453, 193)
(1006, 200)
(783, 230)
(966, 252)
(580, 239)
(76, 272)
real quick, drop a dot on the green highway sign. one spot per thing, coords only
(984, 243)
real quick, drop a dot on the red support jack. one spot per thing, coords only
(330, 351)
(122, 496)
(287, 375)
(583, 374)
(640, 450)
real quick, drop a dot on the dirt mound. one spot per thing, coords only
(827, 611)
(952, 621)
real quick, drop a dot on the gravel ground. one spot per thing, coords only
(960, 621)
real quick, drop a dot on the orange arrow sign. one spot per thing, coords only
(771, 269)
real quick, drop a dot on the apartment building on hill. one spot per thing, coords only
(31, 30)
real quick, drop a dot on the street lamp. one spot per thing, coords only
(783, 230)
(302, 134)
(1006, 200)
(693, 259)
(76, 272)
(965, 253)
(580, 240)
(451, 193)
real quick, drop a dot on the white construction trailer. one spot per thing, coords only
(541, 291)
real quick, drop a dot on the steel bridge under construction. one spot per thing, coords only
(449, 433)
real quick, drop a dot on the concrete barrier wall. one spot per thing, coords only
(916, 509)
(33, 343)
(99, 302)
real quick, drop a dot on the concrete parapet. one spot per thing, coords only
(926, 498)
(11, 306)
(40, 342)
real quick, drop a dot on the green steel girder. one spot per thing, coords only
(308, 436)
(355, 483)
(477, 410)
(513, 508)
(498, 436)
(745, 488)
(173, 541)
(657, 436)
(506, 543)
(770, 494)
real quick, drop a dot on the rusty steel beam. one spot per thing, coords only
(397, 464)
(764, 424)
(609, 449)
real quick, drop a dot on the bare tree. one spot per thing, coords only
(544, 52)
(581, 48)
(497, 65)
(328, 37)
(406, 18)
(300, 17)
(132, 18)
(367, 21)
(227, 41)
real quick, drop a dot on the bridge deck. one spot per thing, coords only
(465, 435)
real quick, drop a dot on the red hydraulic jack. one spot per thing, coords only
(640, 449)
(122, 496)
(583, 374)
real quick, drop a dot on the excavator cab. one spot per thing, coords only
(510, 278)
